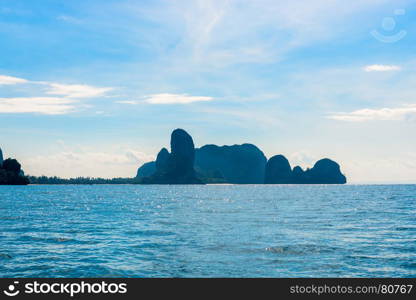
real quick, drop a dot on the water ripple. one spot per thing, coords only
(208, 231)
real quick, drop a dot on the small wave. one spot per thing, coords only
(46, 239)
(387, 257)
(11, 218)
(300, 249)
(409, 265)
(62, 239)
(406, 228)
(150, 232)
(150, 246)
(5, 256)
(90, 271)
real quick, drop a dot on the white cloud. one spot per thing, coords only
(41, 105)
(9, 80)
(131, 102)
(75, 162)
(66, 90)
(44, 104)
(382, 114)
(76, 90)
(381, 68)
(305, 159)
(175, 99)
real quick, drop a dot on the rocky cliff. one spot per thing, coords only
(234, 164)
(278, 171)
(325, 171)
(176, 167)
(11, 172)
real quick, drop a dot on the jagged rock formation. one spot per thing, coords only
(232, 164)
(179, 165)
(240, 164)
(11, 172)
(278, 171)
(176, 167)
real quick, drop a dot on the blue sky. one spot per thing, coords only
(94, 88)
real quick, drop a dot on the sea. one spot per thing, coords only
(208, 231)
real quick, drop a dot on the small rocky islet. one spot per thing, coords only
(236, 164)
(11, 172)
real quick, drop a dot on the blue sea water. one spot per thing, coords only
(208, 231)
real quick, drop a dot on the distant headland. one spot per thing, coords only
(185, 164)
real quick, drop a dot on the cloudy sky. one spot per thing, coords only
(94, 88)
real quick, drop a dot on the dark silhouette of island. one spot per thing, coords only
(325, 171)
(226, 164)
(176, 167)
(238, 164)
(278, 171)
(11, 172)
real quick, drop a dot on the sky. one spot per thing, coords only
(94, 88)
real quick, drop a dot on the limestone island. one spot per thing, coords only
(236, 164)
(11, 172)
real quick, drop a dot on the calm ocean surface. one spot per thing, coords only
(208, 231)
